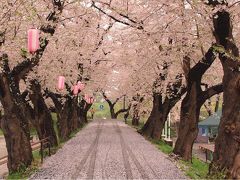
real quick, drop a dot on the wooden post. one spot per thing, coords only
(41, 151)
(124, 101)
(169, 124)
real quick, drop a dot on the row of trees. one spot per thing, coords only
(194, 92)
(24, 94)
(200, 30)
(136, 48)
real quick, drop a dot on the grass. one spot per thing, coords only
(195, 170)
(162, 146)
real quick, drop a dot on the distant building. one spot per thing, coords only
(208, 128)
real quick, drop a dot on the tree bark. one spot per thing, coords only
(191, 104)
(136, 114)
(188, 127)
(84, 108)
(16, 112)
(43, 121)
(15, 120)
(111, 104)
(155, 123)
(227, 154)
(112, 112)
(136, 104)
(160, 110)
(62, 110)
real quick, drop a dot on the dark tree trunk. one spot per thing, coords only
(227, 144)
(112, 112)
(191, 104)
(64, 121)
(136, 114)
(75, 119)
(160, 110)
(188, 127)
(15, 120)
(71, 114)
(63, 112)
(16, 112)
(84, 108)
(17, 139)
(137, 100)
(43, 121)
(155, 123)
(111, 104)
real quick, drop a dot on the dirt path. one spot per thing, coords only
(108, 149)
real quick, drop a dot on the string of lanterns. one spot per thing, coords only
(34, 45)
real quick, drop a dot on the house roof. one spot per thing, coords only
(213, 120)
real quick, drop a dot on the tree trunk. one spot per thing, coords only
(227, 144)
(43, 121)
(15, 120)
(75, 119)
(136, 115)
(188, 127)
(155, 123)
(113, 114)
(17, 139)
(64, 121)
(191, 104)
(154, 126)
(137, 100)
(83, 109)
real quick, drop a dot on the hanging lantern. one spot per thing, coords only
(61, 81)
(75, 90)
(86, 97)
(88, 101)
(33, 40)
(80, 85)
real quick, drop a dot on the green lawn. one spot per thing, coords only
(195, 170)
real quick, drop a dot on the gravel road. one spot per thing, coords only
(108, 149)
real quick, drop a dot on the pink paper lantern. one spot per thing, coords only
(80, 85)
(86, 97)
(33, 40)
(61, 81)
(89, 100)
(75, 90)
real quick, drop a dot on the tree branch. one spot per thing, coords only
(55, 98)
(118, 20)
(106, 98)
(216, 89)
(202, 66)
(21, 70)
(123, 110)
